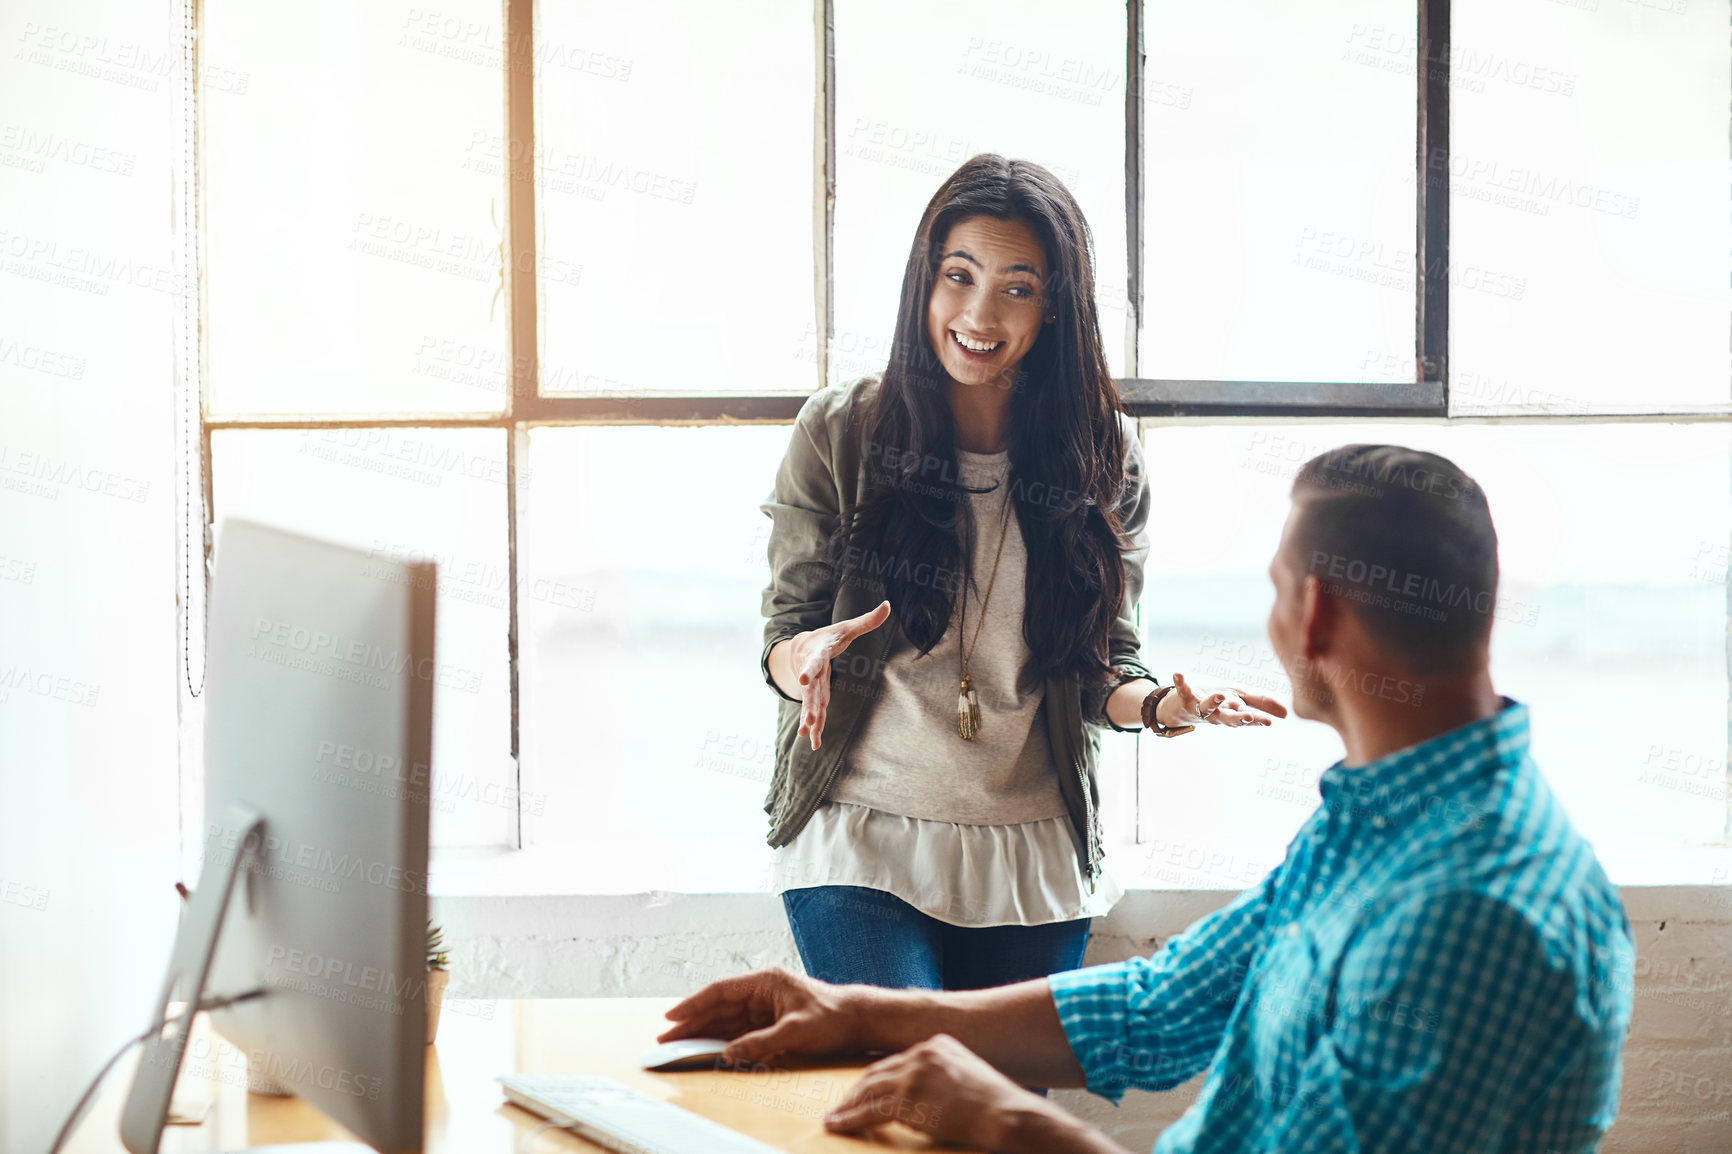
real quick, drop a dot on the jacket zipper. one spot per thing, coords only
(817, 799)
(1088, 818)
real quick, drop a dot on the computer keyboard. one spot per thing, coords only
(613, 1115)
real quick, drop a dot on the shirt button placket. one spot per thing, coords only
(1332, 850)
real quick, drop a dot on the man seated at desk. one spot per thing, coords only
(1438, 964)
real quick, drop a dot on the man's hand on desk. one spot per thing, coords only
(773, 1012)
(944, 1089)
(936, 1083)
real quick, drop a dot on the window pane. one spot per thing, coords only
(410, 493)
(647, 727)
(1589, 158)
(675, 188)
(1279, 210)
(1613, 591)
(351, 223)
(911, 106)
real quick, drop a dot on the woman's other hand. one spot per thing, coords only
(1187, 705)
(810, 654)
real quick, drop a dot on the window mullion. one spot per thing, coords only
(1134, 147)
(522, 315)
(1431, 184)
(824, 190)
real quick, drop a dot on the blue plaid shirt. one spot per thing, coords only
(1439, 964)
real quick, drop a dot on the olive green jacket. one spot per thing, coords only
(823, 473)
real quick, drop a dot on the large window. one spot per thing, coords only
(1589, 226)
(646, 724)
(922, 87)
(1278, 218)
(673, 188)
(352, 228)
(533, 292)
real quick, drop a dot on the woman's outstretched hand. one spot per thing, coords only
(810, 655)
(1191, 706)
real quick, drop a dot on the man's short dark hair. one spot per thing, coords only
(1405, 538)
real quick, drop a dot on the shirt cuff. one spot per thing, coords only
(1092, 1007)
(764, 662)
(1128, 672)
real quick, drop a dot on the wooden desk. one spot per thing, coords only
(466, 1110)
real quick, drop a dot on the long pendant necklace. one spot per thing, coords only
(967, 702)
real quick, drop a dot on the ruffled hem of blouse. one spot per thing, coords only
(966, 875)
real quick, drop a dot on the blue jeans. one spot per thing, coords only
(855, 934)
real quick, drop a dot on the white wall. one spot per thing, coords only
(1677, 1090)
(88, 826)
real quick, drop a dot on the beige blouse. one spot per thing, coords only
(970, 832)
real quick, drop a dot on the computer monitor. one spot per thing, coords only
(318, 728)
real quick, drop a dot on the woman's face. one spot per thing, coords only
(988, 303)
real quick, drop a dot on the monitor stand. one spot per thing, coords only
(146, 1109)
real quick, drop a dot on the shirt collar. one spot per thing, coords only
(1423, 781)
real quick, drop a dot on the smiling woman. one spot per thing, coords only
(968, 294)
(1033, 393)
(920, 846)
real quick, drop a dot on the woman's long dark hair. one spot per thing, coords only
(911, 531)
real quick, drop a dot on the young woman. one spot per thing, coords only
(956, 555)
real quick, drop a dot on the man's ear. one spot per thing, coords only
(1319, 618)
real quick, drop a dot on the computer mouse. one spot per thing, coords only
(684, 1054)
